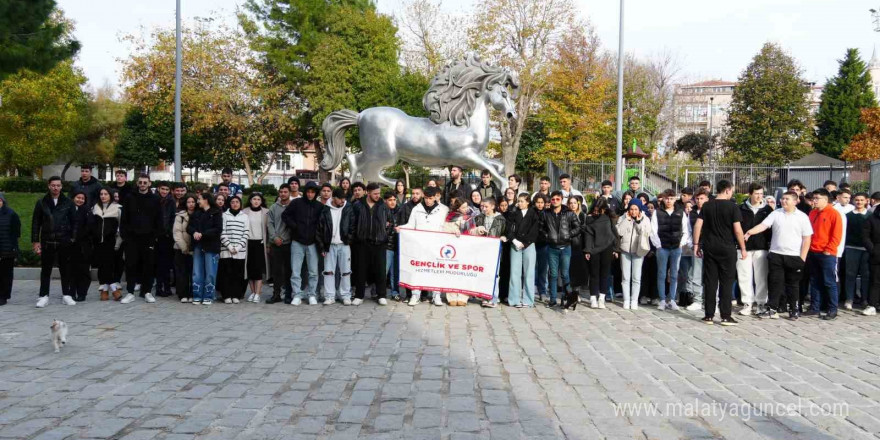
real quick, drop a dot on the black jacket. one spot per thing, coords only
(141, 216)
(669, 228)
(10, 231)
(392, 234)
(168, 208)
(324, 235)
(489, 191)
(371, 225)
(452, 190)
(124, 191)
(103, 227)
(404, 211)
(302, 217)
(523, 228)
(82, 241)
(542, 230)
(760, 242)
(561, 228)
(89, 188)
(210, 224)
(53, 222)
(871, 236)
(600, 234)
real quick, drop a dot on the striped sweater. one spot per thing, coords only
(234, 236)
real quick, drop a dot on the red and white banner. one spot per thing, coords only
(442, 262)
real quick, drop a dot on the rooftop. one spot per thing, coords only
(712, 83)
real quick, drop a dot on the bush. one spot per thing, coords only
(27, 258)
(27, 185)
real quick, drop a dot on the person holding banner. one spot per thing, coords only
(522, 231)
(490, 224)
(430, 215)
(458, 221)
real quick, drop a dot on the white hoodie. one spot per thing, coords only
(421, 220)
(336, 216)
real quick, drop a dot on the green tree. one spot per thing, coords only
(41, 116)
(97, 141)
(769, 118)
(530, 159)
(138, 145)
(843, 98)
(697, 145)
(34, 36)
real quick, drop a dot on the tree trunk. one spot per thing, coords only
(64, 170)
(266, 170)
(249, 171)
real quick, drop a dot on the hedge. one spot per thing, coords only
(28, 185)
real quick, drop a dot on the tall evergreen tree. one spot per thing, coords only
(769, 119)
(33, 36)
(842, 100)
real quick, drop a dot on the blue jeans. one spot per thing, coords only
(559, 259)
(857, 264)
(542, 253)
(522, 265)
(631, 269)
(672, 257)
(684, 268)
(298, 252)
(204, 274)
(823, 272)
(392, 269)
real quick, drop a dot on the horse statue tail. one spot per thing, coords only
(334, 127)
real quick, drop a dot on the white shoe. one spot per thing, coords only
(43, 302)
(869, 311)
(346, 302)
(695, 306)
(329, 302)
(413, 301)
(746, 310)
(847, 305)
(594, 304)
(137, 287)
(256, 298)
(207, 302)
(661, 305)
(634, 305)
(383, 302)
(251, 297)
(313, 300)
(68, 300)
(296, 301)
(626, 305)
(236, 301)
(184, 300)
(357, 302)
(672, 305)
(149, 298)
(194, 302)
(227, 301)
(437, 300)
(601, 301)
(129, 297)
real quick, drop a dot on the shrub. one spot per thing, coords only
(27, 185)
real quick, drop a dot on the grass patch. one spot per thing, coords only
(23, 205)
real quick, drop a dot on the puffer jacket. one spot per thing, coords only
(104, 223)
(499, 224)
(234, 235)
(210, 224)
(425, 219)
(10, 230)
(750, 219)
(371, 225)
(53, 223)
(302, 216)
(561, 228)
(600, 234)
(635, 236)
(182, 239)
(324, 236)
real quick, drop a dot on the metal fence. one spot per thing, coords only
(656, 177)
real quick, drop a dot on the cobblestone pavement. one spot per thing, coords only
(179, 371)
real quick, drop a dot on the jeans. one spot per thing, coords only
(338, 258)
(392, 269)
(559, 259)
(695, 280)
(823, 272)
(857, 264)
(542, 254)
(753, 270)
(522, 264)
(684, 269)
(667, 259)
(204, 274)
(631, 269)
(298, 252)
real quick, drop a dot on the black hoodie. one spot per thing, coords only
(141, 216)
(90, 188)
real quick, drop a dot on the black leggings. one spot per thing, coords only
(600, 269)
(231, 277)
(105, 258)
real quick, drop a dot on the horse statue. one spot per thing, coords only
(455, 133)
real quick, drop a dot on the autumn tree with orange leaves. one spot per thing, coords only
(865, 145)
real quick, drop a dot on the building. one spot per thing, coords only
(874, 70)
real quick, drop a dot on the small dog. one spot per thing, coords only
(570, 300)
(59, 334)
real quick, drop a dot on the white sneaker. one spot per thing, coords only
(672, 305)
(655, 302)
(137, 287)
(626, 305)
(601, 301)
(129, 297)
(695, 306)
(184, 300)
(634, 305)
(746, 310)
(847, 305)
(413, 300)
(43, 302)
(661, 305)
(196, 303)
(329, 302)
(383, 302)
(594, 304)
(149, 298)
(346, 302)
(437, 300)
(357, 302)
(207, 302)
(313, 300)
(256, 298)
(236, 301)
(296, 301)
(250, 297)
(68, 300)
(227, 301)
(869, 311)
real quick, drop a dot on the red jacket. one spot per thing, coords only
(827, 230)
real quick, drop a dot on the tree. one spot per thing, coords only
(576, 107)
(530, 159)
(138, 146)
(100, 132)
(697, 145)
(34, 36)
(429, 37)
(866, 145)
(842, 100)
(521, 35)
(41, 116)
(769, 118)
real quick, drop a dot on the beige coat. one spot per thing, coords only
(182, 239)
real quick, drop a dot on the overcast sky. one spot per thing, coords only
(713, 39)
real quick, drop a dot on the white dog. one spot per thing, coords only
(59, 334)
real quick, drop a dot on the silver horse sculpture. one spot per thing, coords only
(456, 133)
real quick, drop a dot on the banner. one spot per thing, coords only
(442, 262)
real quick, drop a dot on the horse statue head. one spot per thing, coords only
(455, 91)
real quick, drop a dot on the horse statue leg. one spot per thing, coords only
(353, 168)
(475, 160)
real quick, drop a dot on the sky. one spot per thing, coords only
(711, 39)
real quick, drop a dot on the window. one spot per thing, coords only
(283, 163)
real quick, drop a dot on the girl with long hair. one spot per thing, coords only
(183, 247)
(258, 223)
(205, 227)
(600, 243)
(104, 231)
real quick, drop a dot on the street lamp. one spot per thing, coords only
(618, 181)
(711, 139)
(178, 164)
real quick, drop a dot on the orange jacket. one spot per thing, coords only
(827, 230)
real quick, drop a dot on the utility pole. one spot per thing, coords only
(178, 163)
(618, 181)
